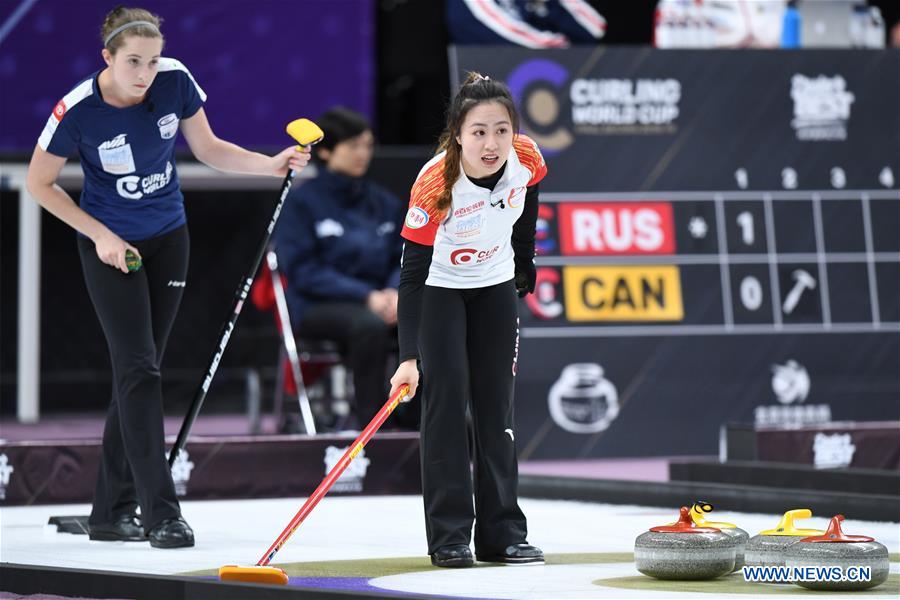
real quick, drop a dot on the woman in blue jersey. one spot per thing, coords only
(123, 121)
(469, 249)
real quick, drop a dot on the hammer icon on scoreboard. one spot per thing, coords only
(805, 281)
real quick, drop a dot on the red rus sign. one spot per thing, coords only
(616, 228)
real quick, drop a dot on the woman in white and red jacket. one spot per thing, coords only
(469, 248)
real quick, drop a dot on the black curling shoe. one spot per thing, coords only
(517, 554)
(457, 556)
(127, 528)
(172, 533)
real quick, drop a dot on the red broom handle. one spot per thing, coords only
(334, 474)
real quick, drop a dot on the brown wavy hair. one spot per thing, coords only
(476, 90)
(121, 15)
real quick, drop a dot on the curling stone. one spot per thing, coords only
(837, 549)
(684, 551)
(767, 548)
(698, 513)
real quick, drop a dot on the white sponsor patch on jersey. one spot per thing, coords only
(79, 93)
(416, 218)
(134, 187)
(116, 156)
(168, 126)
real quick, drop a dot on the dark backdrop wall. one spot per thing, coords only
(413, 77)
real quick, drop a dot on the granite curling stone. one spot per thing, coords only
(698, 513)
(837, 549)
(767, 548)
(684, 551)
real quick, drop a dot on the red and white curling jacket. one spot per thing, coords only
(471, 241)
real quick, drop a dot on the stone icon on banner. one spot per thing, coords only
(791, 384)
(582, 400)
(351, 480)
(181, 472)
(833, 451)
(6, 471)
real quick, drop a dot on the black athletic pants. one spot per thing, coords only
(468, 344)
(365, 340)
(136, 312)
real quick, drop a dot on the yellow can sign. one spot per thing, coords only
(623, 293)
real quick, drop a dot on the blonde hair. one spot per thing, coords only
(476, 90)
(122, 15)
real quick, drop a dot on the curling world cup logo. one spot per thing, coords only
(538, 86)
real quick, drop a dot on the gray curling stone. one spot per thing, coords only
(837, 549)
(698, 513)
(767, 549)
(684, 551)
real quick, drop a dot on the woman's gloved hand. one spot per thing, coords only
(526, 275)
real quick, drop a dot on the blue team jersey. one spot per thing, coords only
(128, 154)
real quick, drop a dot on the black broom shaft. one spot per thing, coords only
(225, 333)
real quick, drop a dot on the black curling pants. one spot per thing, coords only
(468, 345)
(136, 312)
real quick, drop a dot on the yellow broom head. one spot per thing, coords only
(305, 132)
(272, 575)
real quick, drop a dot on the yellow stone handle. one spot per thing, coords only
(698, 514)
(786, 525)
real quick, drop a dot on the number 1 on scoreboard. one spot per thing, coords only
(745, 222)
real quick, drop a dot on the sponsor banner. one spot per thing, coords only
(630, 396)
(623, 293)
(867, 446)
(616, 228)
(821, 107)
(218, 468)
(6, 469)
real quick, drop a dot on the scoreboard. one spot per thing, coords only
(718, 242)
(716, 263)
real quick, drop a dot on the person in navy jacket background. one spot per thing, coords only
(338, 244)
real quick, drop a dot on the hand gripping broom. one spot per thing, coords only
(306, 133)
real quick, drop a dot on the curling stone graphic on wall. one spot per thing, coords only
(698, 513)
(684, 551)
(582, 400)
(836, 549)
(767, 548)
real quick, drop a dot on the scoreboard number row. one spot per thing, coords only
(790, 179)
